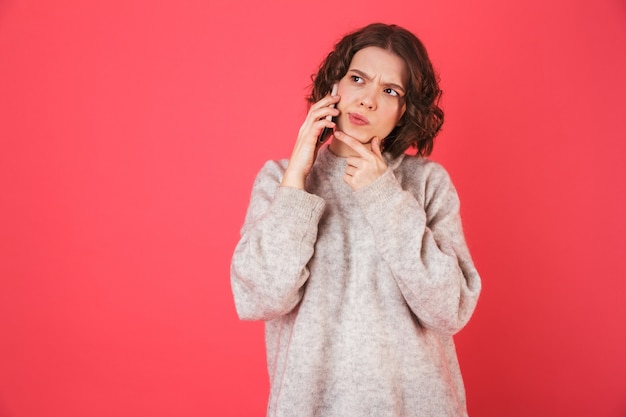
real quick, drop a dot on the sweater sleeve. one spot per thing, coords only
(268, 268)
(424, 246)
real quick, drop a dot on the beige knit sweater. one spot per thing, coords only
(361, 291)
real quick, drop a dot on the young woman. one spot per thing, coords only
(353, 253)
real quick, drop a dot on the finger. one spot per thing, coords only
(325, 102)
(351, 170)
(324, 122)
(318, 116)
(349, 179)
(376, 147)
(323, 113)
(313, 125)
(354, 162)
(352, 143)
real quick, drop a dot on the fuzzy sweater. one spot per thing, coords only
(361, 291)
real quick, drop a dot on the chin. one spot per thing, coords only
(360, 136)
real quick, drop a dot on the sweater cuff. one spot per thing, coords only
(293, 202)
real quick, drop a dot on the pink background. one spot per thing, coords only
(131, 132)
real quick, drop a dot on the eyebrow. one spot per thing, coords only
(369, 78)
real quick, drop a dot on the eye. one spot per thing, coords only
(356, 79)
(391, 92)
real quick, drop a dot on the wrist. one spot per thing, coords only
(293, 180)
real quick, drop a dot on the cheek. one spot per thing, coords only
(341, 105)
(343, 87)
(345, 99)
(393, 115)
(399, 113)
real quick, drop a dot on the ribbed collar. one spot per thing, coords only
(329, 162)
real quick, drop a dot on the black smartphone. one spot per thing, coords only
(327, 131)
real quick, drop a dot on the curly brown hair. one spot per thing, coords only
(423, 117)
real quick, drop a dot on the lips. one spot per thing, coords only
(358, 119)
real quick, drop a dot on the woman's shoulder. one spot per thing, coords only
(275, 165)
(272, 170)
(419, 168)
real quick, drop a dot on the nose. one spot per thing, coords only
(368, 99)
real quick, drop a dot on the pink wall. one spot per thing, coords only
(131, 131)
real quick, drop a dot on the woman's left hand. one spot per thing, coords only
(368, 164)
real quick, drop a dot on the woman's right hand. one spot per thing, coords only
(307, 144)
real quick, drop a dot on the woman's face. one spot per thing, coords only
(372, 96)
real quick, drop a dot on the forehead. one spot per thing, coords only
(380, 63)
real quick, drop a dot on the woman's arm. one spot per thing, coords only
(424, 246)
(268, 268)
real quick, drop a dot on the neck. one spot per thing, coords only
(340, 149)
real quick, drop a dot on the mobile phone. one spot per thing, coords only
(326, 132)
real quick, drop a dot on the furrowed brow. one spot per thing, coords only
(396, 87)
(361, 74)
(369, 78)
